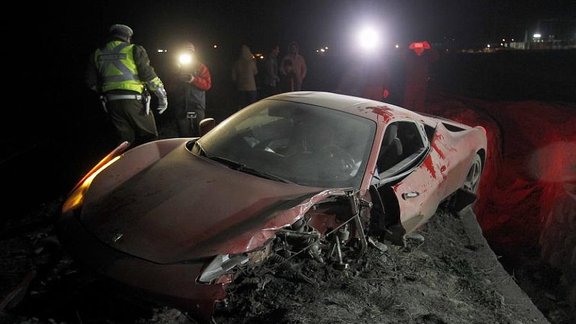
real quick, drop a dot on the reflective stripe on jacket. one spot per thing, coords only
(117, 68)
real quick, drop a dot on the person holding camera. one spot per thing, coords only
(189, 93)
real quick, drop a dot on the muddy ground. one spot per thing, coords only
(451, 276)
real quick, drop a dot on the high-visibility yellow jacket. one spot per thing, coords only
(120, 65)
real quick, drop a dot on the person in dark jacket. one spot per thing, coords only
(121, 73)
(189, 95)
(271, 77)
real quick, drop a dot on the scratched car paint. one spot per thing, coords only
(297, 177)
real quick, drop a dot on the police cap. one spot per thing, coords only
(121, 31)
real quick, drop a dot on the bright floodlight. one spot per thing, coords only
(185, 59)
(368, 38)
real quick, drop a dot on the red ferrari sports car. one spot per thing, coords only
(296, 177)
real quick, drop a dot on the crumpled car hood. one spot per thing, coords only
(183, 207)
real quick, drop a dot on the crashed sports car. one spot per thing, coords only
(296, 177)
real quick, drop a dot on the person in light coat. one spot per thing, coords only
(244, 76)
(293, 67)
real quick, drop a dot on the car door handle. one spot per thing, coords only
(408, 195)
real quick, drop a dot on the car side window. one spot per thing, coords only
(410, 138)
(391, 148)
(401, 144)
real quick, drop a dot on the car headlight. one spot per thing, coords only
(220, 266)
(76, 196)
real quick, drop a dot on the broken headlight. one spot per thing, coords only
(220, 265)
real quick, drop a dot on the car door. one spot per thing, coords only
(415, 177)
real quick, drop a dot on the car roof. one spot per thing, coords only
(351, 104)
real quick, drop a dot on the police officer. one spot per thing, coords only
(193, 79)
(122, 74)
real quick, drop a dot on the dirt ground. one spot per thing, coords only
(445, 274)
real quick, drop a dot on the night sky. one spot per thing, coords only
(312, 22)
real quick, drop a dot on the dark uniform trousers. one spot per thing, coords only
(131, 121)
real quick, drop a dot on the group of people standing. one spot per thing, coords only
(121, 74)
(284, 75)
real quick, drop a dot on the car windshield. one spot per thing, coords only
(294, 142)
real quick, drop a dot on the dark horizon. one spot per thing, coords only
(313, 23)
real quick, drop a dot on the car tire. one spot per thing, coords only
(474, 175)
(464, 197)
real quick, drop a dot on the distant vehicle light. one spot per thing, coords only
(419, 47)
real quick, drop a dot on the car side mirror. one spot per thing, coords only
(206, 125)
